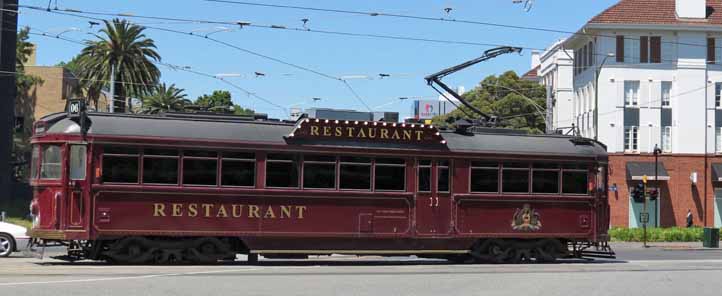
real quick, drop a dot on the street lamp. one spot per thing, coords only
(596, 96)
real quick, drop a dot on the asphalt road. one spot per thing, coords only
(637, 271)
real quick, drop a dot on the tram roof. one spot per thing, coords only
(276, 133)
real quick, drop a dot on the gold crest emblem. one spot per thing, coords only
(526, 219)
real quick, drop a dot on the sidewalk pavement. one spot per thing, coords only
(664, 245)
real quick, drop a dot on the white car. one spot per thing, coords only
(12, 238)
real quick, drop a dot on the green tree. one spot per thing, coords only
(23, 50)
(165, 98)
(125, 46)
(217, 100)
(519, 104)
(238, 110)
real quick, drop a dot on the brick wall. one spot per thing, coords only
(677, 195)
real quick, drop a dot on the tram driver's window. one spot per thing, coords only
(355, 173)
(120, 164)
(515, 177)
(390, 174)
(34, 162)
(282, 170)
(484, 176)
(160, 166)
(424, 175)
(319, 171)
(51, 163)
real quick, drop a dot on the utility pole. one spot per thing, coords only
(645, 214)
(8, 92)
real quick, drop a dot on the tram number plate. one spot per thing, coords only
(644, 218)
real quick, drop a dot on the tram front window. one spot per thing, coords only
(50, 168)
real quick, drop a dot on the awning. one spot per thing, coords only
(636, 170)
(717, 172)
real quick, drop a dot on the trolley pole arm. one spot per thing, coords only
(489, 54)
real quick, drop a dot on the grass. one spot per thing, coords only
(672, 234)
(19, 221)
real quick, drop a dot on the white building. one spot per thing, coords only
(658, 64)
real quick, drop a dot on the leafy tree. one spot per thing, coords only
(219, 98)
(518, 103)
(23, 50)
(238, 110)
(125, 46)
(165, 98)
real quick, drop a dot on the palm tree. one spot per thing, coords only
(125, 46)
(165, 98)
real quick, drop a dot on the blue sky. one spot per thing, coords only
(407, 61)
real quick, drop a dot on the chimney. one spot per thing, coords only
(691, 9)
(536, 59)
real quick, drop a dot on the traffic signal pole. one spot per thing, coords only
(645, 214)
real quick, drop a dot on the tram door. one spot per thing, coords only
(77, 185)
(433, 192)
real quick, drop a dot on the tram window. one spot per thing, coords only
(574, 182)
(120, 150)
(424, 176)
(161, 152)
(390, 174)
(238, 169)
(545, 181)
(199, 153)
(442, 176)
(51, 164)
(35, 160)
(120, 169)
(515, 178)
(77, 162)
(281, 170)
(355, 173)
(199, 171)
(160, 170)
(484, 176)
(319, 171)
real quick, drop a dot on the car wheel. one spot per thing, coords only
(7, 245)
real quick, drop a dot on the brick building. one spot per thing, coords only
(656, 66)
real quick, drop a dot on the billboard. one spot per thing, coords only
(426, 109)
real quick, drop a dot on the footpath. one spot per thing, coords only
(669, 246)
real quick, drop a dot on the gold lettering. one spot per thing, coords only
(361, 133)
(314, 130)
(327, 131)
(300, 211)
(285, 212)
(239, 213)
(253, 212)
(207, 208)
(384, 133)
(396, 136)
(350, 131)
(338, 131)
(222, 212)
(192, 210)
(177, 210)
(407, 135)
(158, 210)
(418, 135)
(372, 133)
(269, 213)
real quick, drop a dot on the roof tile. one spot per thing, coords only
(654, 12)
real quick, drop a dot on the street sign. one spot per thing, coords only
(644, 218)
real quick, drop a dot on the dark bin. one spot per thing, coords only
(710, 238)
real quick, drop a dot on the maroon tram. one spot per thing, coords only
(193, 188)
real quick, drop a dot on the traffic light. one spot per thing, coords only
(653, 194)
(638, 193)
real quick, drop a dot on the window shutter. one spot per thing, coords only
(711, 51)
(655, 53)
(620, 49)
(644, 49)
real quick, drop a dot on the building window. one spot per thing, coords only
(718, 139)
(442, 176)
(50, 167)
(120, 164)
(355, 173)
(666, 93)
(319, 171)
(667, 139)
(282, 170)
(717, 94)
(238, 169)
(631, 50)
(160, 166)
(200, 168)
(515, 178)
(390, 174)
(630, 138)
(424, 176)
(631, 93)
(484, 176)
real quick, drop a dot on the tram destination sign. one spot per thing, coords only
(371, 131)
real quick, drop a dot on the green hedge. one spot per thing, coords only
(673, 234)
